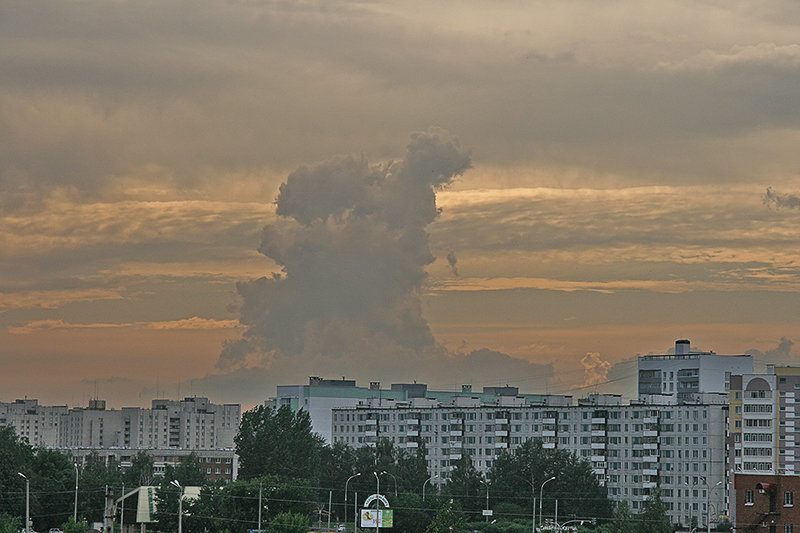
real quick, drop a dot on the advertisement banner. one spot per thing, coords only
(375, 518)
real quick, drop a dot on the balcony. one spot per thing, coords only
(650, 459)
(548, 420)
(598, 471)
(650, 420)
(548, 433)
(455, 456)
(598, 433)
(598, 420)
(548, 445)
(598, 445)
(650, 446)
(501, 445)
(412, 421)
(370, 433)
(501, 433)
(456, 433)
(598, 458)
(650, 472)
(650, 433)
(412, 433)
(649, 484)
(412, 444)
(501, 420)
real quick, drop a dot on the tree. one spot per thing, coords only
(140, 473)
(10, 524)
(448, 519)
(464, 486)
(95, 476)
(71, 526)
(522, 473)
(15, 456)
(337, 464)
(278, 442)
(52, 480)
(653, 517)
(623, 521)
(289, 523)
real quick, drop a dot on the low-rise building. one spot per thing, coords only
(767, 502)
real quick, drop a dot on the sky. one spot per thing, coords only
(215, 197)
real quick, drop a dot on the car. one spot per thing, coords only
(55, 530)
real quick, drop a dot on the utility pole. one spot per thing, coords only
(259, 506)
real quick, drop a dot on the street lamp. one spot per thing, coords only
(180, 504)
(395, 481)
(345, 497)
(27, 502)
(540, 496)
(426, 482)
(75, 511)
(377, 501)
(487, 497)
(708, 502)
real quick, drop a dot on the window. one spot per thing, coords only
(788, 498)
(788, 528)
(748, 497)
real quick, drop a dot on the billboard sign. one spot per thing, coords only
(377, 518)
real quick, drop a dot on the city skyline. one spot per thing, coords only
(530, 194)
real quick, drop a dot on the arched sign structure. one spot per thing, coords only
(378, 517)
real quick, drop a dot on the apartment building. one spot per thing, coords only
(169, 431)
(764, 421)
(321, 396)
(632, 447)
(688, 372)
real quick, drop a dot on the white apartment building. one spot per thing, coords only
(38, 424)
(321, 396)
(632, 447)
(688, 372)
(168, 430)
(764, 422)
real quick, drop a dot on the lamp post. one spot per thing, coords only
(75, 511)
(426, 482)
(377, 501)
(395, 481)
(708, 503)
(487, 497)
(260, 483)
(345, 495)
(541, 489)
(27, 502)
(180, 504)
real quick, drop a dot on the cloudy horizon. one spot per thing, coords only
(632, 179)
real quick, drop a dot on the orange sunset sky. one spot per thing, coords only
(215, 197)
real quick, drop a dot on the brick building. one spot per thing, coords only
(766, 503)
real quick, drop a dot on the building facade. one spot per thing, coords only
(687, 373)
(632, 447)
(169, 431)
(766, 503)
(321, 396)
